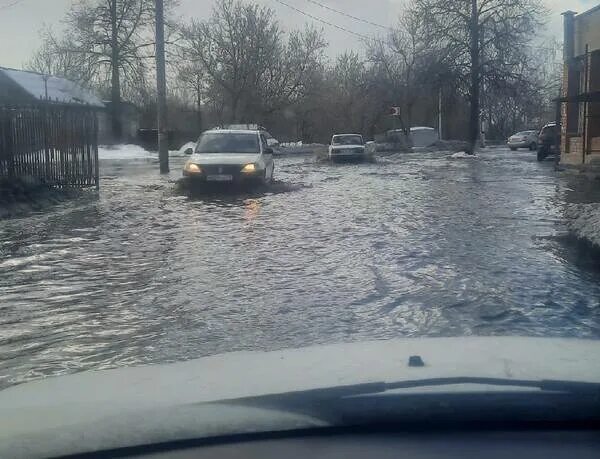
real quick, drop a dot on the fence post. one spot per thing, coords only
(9, 135)
(95, 148)
(44, 115)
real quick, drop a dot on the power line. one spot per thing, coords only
(364, 37)
(349, 15)
(10, 5)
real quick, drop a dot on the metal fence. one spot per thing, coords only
(56, 144)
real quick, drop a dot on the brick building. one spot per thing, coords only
(580, 102)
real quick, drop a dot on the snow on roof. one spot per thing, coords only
(230, 131)
(59, 90)
(422, 128)
(244, 127)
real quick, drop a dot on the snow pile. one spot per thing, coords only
(461, 155)
(125, 151)
(583, 220)
(303, 148)
(292, 144)
(185, 146)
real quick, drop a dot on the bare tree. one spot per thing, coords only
(55, 57)
(401, 58)
(242, 51)
(480, 39)
(111, 41)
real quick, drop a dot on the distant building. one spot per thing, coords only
(580, 101)
(423, 136)
(130, 123)
(419, 136)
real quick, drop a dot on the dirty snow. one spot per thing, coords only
(185, 146)
(584, 222)
(130, 152)
(124, 152)
(461, 155)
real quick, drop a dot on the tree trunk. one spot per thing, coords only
(475, 77)
(117, 128)
(199, 104)
(234, 109)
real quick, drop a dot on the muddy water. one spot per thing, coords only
(413, 245)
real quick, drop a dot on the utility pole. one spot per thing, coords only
(440, 113)
(161, 87)
(115, 80)
(474, 127)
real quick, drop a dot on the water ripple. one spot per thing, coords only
(414, 245)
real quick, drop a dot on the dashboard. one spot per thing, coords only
(530, 444)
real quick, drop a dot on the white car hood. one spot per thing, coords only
(98, 410)
(224, 158)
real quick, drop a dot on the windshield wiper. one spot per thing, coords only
(328, 393)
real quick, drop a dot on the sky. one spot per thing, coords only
(21, 20)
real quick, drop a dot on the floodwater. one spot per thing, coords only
(412, 245)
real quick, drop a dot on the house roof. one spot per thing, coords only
(53, 89)
(591, 10)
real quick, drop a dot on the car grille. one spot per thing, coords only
(218, 170)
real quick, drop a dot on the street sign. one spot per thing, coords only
(394, 111)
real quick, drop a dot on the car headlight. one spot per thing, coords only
(191, 167)
(249, 168)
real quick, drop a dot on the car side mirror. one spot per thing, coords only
(268, 151)
(189, 151)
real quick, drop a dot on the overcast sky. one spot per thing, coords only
(21, 20)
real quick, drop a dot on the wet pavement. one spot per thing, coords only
(412, 245)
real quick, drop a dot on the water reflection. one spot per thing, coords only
(251, 209)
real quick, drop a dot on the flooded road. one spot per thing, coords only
(413, 245)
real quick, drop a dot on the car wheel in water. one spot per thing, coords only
(267, 178)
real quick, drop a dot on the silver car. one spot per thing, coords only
(523, 139)
(231, 156)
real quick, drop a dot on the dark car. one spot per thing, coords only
(548, 141)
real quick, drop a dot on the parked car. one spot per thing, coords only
(523, 139)
(548, 141)
(349, 146)
(233, 156)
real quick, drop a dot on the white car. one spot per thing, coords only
(231, 156)
(350, 146)
(523, 139)
(271, 141)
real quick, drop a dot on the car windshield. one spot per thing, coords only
(202, 200)
(227, 142)
(346, 140)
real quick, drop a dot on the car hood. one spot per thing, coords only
(224, 158)
(98, 410)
